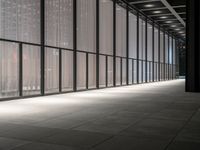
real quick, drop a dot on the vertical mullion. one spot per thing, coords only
(106, 71)
(60, 70)
(42, 34)
(97, 43)
(164, 51)
(74, 45)
(168, 58)
(121, 69)
(146, 38)
(133, 67)
(87, 70)
(127, 45)
(114, 42)
(138, 48)
(172, 58)
(153, 52)
(20, 69)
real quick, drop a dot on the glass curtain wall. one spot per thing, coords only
(20, 21)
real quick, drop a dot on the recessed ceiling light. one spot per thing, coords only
(148, 5)
(181, 32)
(157, 12)
(173, 26)
(177, 29)
(168, 21)
(163, 17)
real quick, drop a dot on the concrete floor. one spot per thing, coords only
(154, 116)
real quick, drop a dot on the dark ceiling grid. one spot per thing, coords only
(156, 10)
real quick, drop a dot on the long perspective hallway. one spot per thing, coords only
(154, 116)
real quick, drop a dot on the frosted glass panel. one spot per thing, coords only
(166, 48)
(67, 70)
(9, 72)
(142, 39)
(156, 44)
(59, 23)
(118, 71)
(51, 70)
(92, 71)
(31, 70)
(161, 47)
(135, 71)
(130, 71)
(174, 51)
(102, 71)
(149, 42)
(132, 36)
(123, 71)
(140, 71)
(170, 51)
(20, 20)
(81, 71)
(120, 31)
(106, 26)
(86, 25)
(110, 71)
(144, 71)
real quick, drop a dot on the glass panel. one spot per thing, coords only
(135, 71)
(31, 70)
(144, 71)
(149, 42)
(130, 71)
(156, 44)
(166, 48)
(120, 31)
(102, 71)
(81, 71)
(174, 51)
(161, 47)
(118, 71)
(51, 70)
(141, 39)
(9, 70)
(59, 23)
(123, 71)
(110, 71)
(132, 36)
(106, 27)
(92, 71)
(86, 25)
(20, 20)
(140, 71)
(67, 70)
(170, 51)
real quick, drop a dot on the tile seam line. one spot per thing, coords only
(173, 139)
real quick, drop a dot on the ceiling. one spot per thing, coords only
(170, 14)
